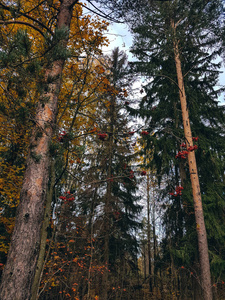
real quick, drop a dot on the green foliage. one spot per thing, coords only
(55, 45)
(17, 49)
(196, 31)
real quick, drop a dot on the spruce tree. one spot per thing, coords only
(120, 202)
(194, 23)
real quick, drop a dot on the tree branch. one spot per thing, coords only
(27, 16)
(100, 13)
(23, 23)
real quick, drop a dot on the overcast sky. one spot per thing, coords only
(119, 36)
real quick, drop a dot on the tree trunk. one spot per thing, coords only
(108, 199)
(199, 217)
(20, 267)
(44, 233)
(154, 242)
(149, 234)
(90, 229)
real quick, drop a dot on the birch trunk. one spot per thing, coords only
(20, 267)
(198, 209)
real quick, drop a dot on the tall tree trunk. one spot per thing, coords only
(181, 163)
(154, 242)
(144, 260)
(107, 229)
(108, 199)
(44, 233)
(149, 234)
(90, 229)
(20, 267)
(199, 217)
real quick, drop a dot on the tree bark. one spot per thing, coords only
(20, 267)
(44, 233)
(149, 234)
(198, 209)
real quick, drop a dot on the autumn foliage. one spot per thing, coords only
(121, 214)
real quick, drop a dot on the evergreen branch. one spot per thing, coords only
(100, 13)
(178, 22)
(188, 71)
(169, 79)
(11, 98)
(26, 61)
(98, 181)
(23, 23)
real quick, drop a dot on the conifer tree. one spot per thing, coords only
(119, 198)
(158, 48)
(21, 262)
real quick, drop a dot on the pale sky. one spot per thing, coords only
(119, 36)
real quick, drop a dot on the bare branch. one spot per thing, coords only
(23, 23)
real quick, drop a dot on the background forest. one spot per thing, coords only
(112, 182)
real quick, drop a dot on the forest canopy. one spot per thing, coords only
(112, 182)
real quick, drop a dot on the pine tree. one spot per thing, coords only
(30, 50)
(21, 262)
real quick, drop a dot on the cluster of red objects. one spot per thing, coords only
(143, 173)
(131, 132)
(192, 148)
(144, 132)
(110, 179)
(184, 153)
(62, 136)
(131, 174)
(177, 191)
(102, 136)
(68, 197)
(116, 214)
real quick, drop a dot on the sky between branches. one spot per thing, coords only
(120, 36)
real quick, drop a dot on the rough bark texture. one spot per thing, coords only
(44, 233)
(20, 268)
(199, 217)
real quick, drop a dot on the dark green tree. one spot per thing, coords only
(120, 208)
(197, 26)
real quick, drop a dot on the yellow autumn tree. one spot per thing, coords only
(78, 111)
(34, 52)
